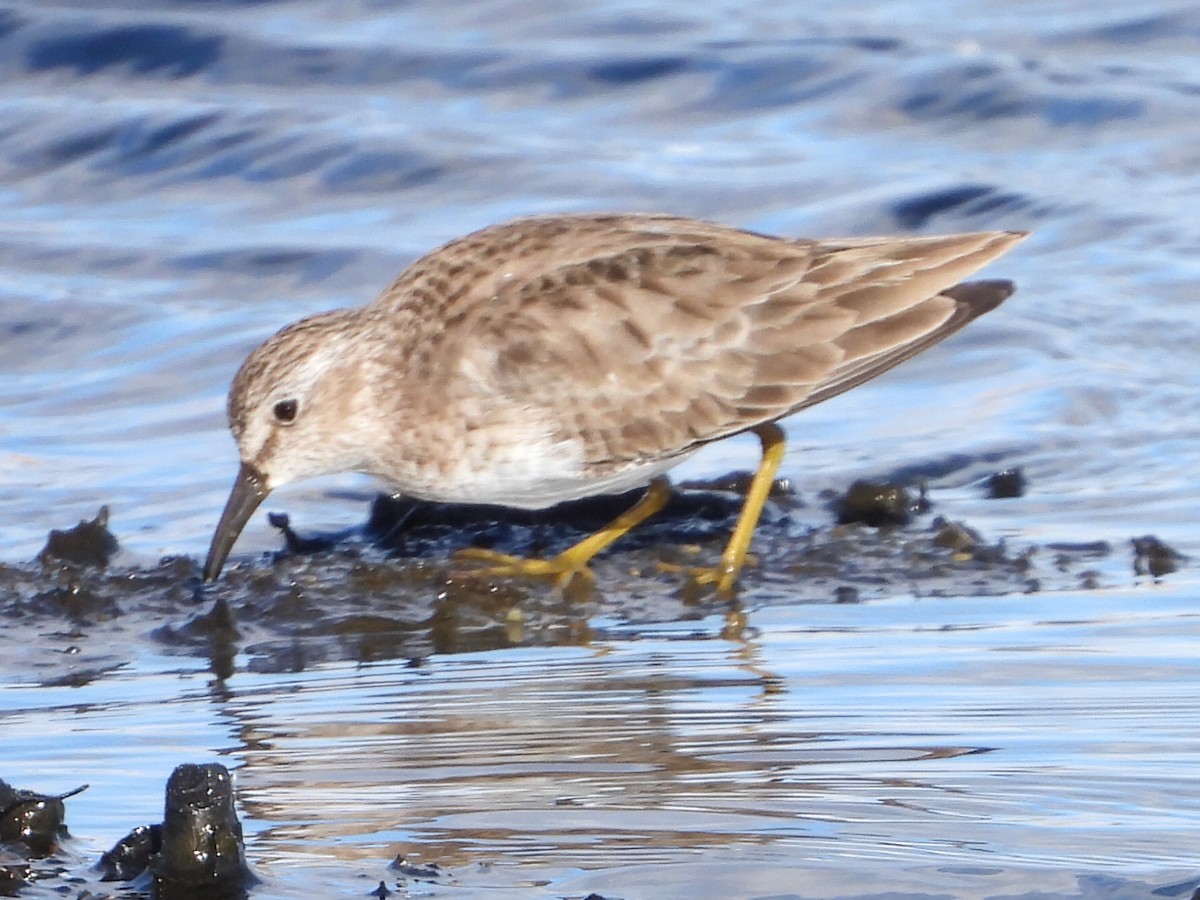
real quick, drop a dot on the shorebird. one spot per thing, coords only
(558, 357)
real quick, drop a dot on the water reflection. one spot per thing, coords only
(891, 733)
(652, 749)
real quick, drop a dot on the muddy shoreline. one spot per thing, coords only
(391, 589)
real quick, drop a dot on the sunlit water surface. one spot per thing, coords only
(968, 747)
(179, 180)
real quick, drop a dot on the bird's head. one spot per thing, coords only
(291, 410)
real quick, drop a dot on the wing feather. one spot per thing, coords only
(656, 335)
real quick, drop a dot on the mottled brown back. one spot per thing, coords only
(647, 336)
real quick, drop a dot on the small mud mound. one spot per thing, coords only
(394, 589)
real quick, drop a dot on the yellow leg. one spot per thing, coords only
(574, 560)
(774, 443)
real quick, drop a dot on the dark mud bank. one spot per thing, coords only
(393, 589)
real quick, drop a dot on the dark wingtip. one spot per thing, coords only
(979, 297)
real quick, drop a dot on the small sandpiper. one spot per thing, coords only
(558, 357)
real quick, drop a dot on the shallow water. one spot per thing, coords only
(968, 747)
(179, 180)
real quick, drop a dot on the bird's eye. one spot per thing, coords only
(285, 411)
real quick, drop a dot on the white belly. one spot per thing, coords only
(532, 474)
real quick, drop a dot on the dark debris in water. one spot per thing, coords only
(31, 827)
(131, 855)
(878, 503)
(31, 820)
(87, 544)
(426, 871)
(295, 543)
(394, 590)
(1153, 557)
(202, 845)
(1006, 484)
(15, 873)
(364, 597)
(198, 849)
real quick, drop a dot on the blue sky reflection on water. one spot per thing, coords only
(165, 204)
(907, 733)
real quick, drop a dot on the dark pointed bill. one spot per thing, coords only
(249, 490)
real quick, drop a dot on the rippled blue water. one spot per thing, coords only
(953, 748)
(178, 180)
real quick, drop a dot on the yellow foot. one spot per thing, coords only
(724, 577)
(573, 561)
(561, 569)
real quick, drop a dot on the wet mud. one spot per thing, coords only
(197, 851)
(32, 825)
(392, 589)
